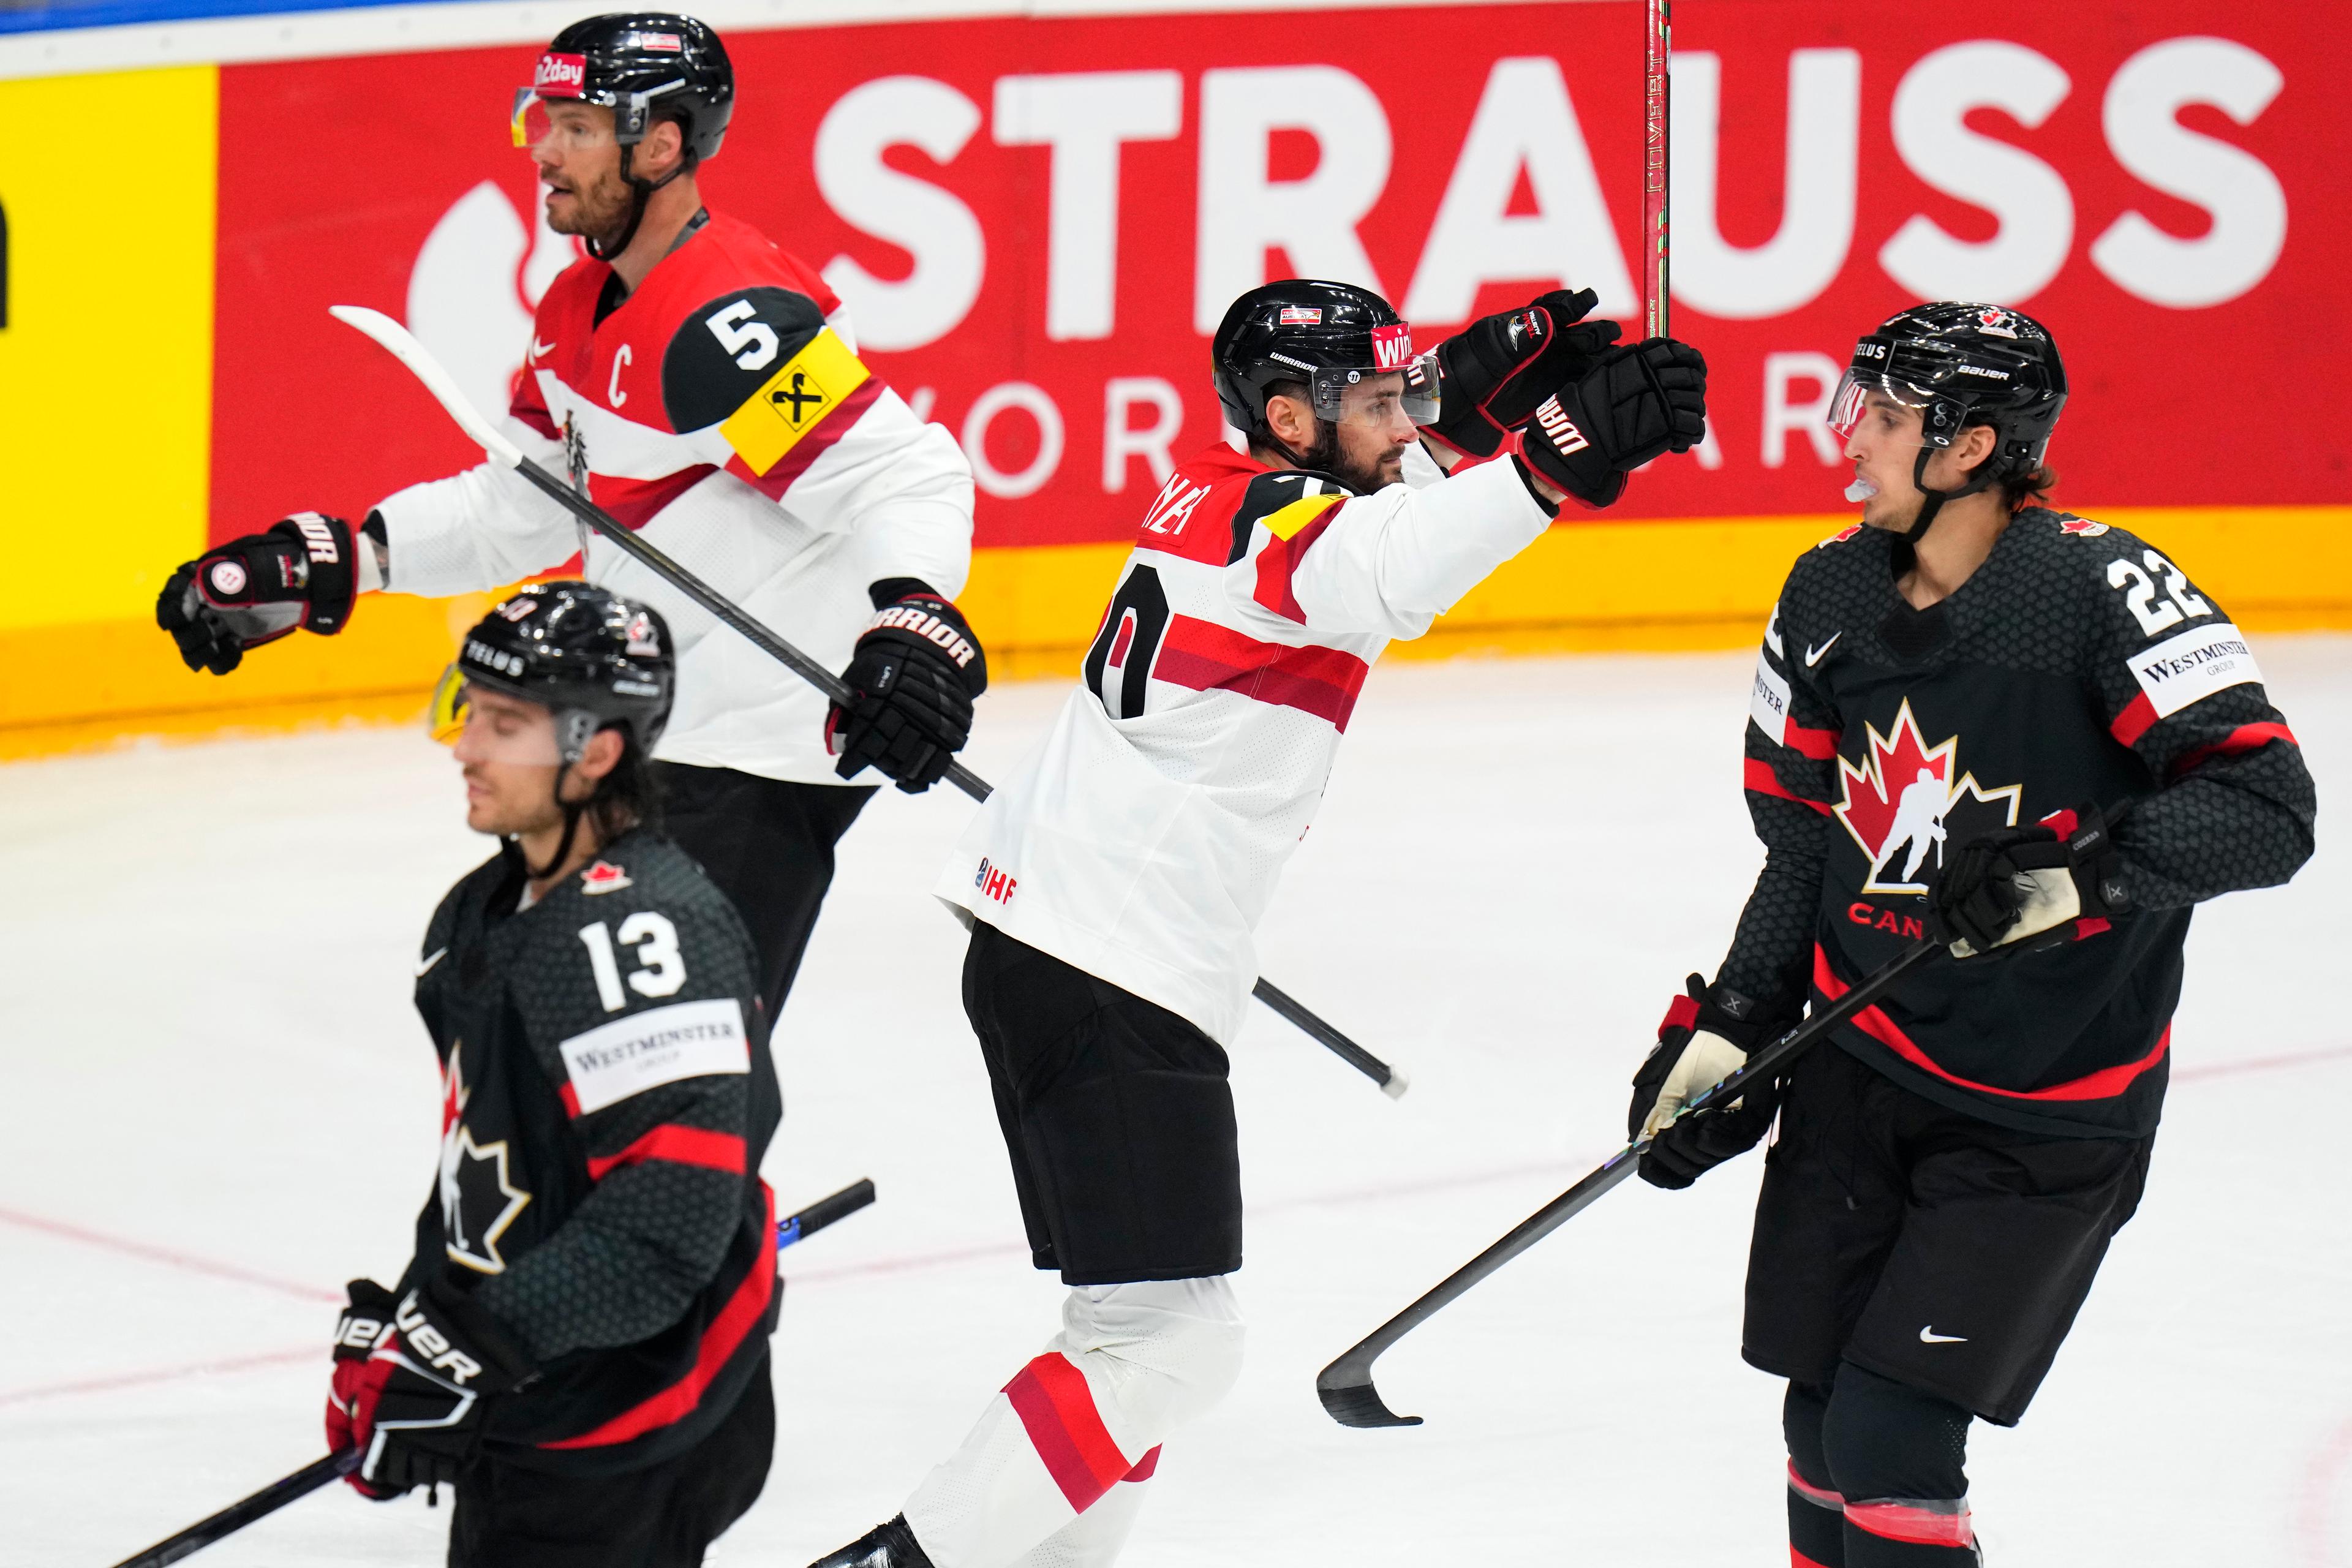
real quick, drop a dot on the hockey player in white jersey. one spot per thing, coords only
(704, 387)
(1114, 882)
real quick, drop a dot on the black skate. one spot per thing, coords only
(890, 1545)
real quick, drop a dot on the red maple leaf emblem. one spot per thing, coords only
(602, 877)
(2081, 525)
(1874, 791)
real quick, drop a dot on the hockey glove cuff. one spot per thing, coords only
(414, 1406)
(301, 573)
(1705, 1038)
(2006, 887)
(1495, 372)
(911, 684)
(1634, 404)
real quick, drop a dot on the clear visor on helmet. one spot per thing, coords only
(485, 725)
(563, 124)
(1378, 397)
(1886, 411)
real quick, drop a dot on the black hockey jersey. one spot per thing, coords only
(2077, 665)
(607, 1098)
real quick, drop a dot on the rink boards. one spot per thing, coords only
(1035, 218)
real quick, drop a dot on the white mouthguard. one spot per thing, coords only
(1861, 489)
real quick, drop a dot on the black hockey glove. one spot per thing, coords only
(1636, 403)
(1705, 1038)
(1495, 372)
(911, 682)
(2020, 882)
(414, 1406)
(300, 573)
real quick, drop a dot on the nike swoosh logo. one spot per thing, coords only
(540, 350)
(1814, 656)
(429, 962)
(1929, 1336)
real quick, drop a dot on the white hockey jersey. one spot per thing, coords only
(719, 410)
(1142, 840)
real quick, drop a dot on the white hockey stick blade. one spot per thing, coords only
(1397, 1084)
(402, 344)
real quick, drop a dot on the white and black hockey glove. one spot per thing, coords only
(2006, 887)
(1495, 373)
(1635, 402)
(300, 574)
(412, 1379)
(1704, 1038)
(911, 684)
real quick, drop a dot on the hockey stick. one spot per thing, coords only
(401, 345)
(319, 1472)
(824, 1212)
(1345, 1386)
(1656, 92)
(245, 1510)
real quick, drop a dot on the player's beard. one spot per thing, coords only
(1329, 455)
(598, 210)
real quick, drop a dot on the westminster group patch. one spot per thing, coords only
(791, 403)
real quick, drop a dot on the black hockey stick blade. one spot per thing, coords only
(402, 344)
(1345, 1386)
(245, 1510)
(824, 1212)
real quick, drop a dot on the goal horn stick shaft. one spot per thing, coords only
(824, 1212)
(397, 341)
(1657, 90)
(245, 1510)
(1345, 1386)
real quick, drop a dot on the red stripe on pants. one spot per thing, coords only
(1057, 1411)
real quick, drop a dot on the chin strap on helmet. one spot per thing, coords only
(640, 191)
(1979, 478)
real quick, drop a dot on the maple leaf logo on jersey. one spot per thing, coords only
(2082, 526)
(473, 1181)
(1906, 800)
(604, 877)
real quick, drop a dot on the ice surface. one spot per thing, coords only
(218, 1106)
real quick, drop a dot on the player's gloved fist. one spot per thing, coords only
(363, 1325)
(911, 681)
(1633, 404)
(1705, 1038)
(2005, 887)
(1494, 372)
(413, 1405)
(256, 589)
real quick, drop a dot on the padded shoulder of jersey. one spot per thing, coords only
(726, 348)
(1264, 497)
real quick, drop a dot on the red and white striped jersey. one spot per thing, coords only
(1142, 840)
(720, 410)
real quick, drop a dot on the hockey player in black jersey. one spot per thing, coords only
(580, 1343)
(2028, 735)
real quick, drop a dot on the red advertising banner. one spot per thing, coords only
(1036, 223)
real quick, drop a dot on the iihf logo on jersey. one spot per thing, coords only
(992, 882)
(478, 1202)
(1907, 801)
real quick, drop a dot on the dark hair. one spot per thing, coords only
(630, 796)
(688, 160)
(2028, 489)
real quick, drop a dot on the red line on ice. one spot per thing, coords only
(161, 1374)
(167, 1256)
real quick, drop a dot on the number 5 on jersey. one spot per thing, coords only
(660, 972)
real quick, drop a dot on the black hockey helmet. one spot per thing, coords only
(593, 657)
(1325, 336)
(640, 65)
(1961, 364)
